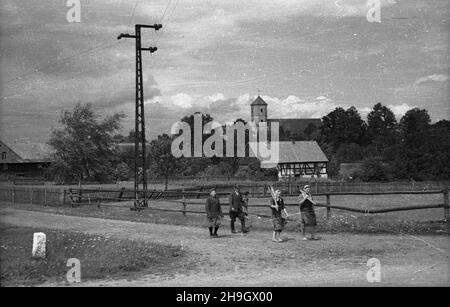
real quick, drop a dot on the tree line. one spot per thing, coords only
(86, 148)
(412, 148)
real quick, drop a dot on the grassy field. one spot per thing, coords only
(414, 221)
(100, 257)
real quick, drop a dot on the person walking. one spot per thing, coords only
(277, 206)
(213, 213)
(237, 205)
(307, 214)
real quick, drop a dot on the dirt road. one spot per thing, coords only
(253, 260)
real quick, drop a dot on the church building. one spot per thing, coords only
(299, 156)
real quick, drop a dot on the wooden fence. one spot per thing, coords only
(445, 204)
(32, 195)
(191, 196)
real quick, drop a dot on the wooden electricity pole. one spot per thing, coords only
(140, 196)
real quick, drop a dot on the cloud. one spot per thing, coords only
(182, 100)
(225, 109)
(400, 109)
(430, 78)
(212, 53)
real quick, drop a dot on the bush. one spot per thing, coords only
(122, 172)
(375, 169)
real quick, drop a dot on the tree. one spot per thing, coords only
(415, 136)
(84, 146)
(381, 128)
(122, 172)
(161, 160)
(415, 121)
(342, 126)
(439, 145)
(349, 153)
(375, 169)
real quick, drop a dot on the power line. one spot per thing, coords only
(170, 15)
(58, 61)
(132, 15)
(165, 10)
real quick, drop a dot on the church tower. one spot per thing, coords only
(258, 110)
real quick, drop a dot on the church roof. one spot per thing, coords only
(259, 102)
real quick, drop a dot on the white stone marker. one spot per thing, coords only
(39, 240)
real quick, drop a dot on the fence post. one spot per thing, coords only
(13, 195)
(446, 206)
(31, 196)
(328, 207)
(184, 204)
(45, 196)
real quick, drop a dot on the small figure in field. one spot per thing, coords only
(237, 206)
(213, 213)
(277, 206)
(308, 216)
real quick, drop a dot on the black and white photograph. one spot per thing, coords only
(224, 150)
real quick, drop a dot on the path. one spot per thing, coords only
(253, 260)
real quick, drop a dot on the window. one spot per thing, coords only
(3, 155)
(262, 110)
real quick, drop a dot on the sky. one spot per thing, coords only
(304, 57)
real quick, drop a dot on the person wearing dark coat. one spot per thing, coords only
(237, 205)
(213, 213)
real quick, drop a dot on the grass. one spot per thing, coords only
(100, 257)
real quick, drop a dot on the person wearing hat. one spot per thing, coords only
(213, 213)
(307, 214)
(237, 205)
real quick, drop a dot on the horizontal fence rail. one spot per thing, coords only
(51, 196)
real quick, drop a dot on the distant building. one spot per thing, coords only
(297, 157)
(297, 129)
(24, 159)
(301, 159)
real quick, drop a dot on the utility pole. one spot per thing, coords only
(140, 196)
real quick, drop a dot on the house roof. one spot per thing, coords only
(259, 102)
(295, 152)
(30, 152)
